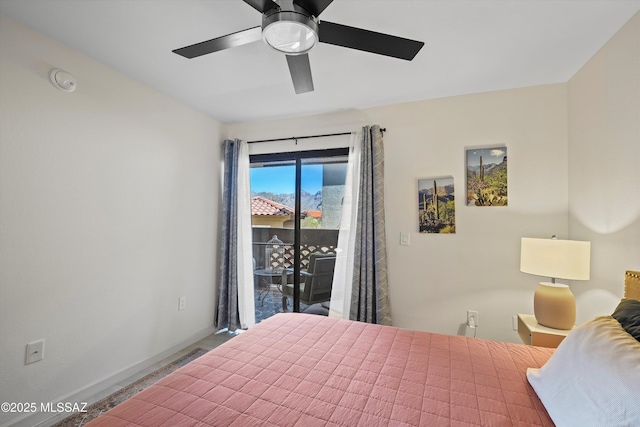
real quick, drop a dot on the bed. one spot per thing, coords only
(306, 370)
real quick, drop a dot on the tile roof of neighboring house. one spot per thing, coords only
(315, 214)
(263, 206)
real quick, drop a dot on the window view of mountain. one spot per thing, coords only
(321, 193)
(309, 202)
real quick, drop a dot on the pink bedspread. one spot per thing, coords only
(307, 370)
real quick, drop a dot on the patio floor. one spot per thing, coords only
(272, 303)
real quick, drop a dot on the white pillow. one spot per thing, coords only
(593, 378)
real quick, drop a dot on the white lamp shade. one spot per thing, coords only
(558, 259)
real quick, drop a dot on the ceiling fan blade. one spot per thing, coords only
(314, 7)
(300, 70)
(261, 5)
(225, 42)
(368, 41)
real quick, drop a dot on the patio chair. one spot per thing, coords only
(315, 282)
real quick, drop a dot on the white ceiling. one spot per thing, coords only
(470, 46)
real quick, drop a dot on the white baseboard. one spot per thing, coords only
(40, 419)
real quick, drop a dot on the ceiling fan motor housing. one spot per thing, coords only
(293, 31)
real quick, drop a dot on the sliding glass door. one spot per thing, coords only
(296, 211)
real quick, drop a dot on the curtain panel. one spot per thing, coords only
(360, 286)
(234, 309)
(370, 291)
(341, 290)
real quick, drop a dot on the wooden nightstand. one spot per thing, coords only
(532, 333)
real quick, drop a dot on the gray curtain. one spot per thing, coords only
(370, 292)
(227, 315)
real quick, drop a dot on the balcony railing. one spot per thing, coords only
(312, 240)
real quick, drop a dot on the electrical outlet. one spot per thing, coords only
(472, 319)
(35, 352)
(514, 322)
(182, 303)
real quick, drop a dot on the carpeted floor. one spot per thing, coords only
(101, 406)
(266, 304)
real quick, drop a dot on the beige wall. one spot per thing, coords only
(604, 167)
(438, 277)
(108, 214)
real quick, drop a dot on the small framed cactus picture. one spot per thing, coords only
(436, 205)
(487, 177)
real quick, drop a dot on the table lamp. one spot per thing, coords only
(553, 303)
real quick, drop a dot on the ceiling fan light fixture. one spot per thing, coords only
(291, 33)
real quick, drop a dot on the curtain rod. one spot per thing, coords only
(296, 138)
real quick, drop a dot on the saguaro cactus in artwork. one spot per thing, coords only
(481, 170)
(435, 199)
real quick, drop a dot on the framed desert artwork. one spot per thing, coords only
(487, 177)
(436, 205)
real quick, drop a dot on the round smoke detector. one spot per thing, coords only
(63, 80)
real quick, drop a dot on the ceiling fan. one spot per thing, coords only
(293, 28)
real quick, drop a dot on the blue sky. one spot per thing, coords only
(489, 155)
(282, 179)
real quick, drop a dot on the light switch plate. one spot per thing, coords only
(405, 238)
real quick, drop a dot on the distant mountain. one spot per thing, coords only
(309, 202)
(444, 193)
(487, 168)
(501, 168)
